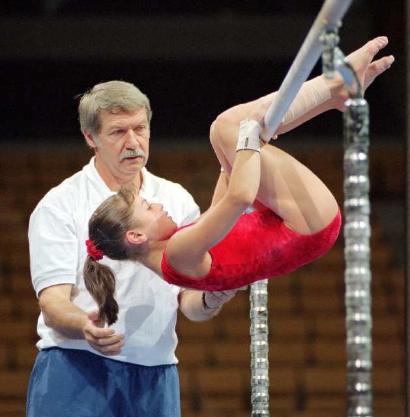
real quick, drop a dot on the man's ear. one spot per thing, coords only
(89, 139)
(134, 237)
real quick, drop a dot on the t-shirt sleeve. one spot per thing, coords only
(190, 209)
(53, 248)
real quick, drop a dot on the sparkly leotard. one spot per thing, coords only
(259, 246)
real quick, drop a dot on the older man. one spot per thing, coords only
(84, 368)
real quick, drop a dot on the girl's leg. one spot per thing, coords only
(287, 187)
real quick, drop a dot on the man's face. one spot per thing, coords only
(122, 145)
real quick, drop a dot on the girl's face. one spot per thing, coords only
(152, 220)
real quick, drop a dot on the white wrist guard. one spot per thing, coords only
(210, 304)
(248, 138)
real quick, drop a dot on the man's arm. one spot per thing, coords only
(192, 306)
(203, 305)
(53, 260)
(60, 313)
(66, 318)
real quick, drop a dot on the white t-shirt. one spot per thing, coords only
(148, 305)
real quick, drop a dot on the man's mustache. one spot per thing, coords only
(131, 153)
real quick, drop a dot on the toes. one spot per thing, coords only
(365, 54)
(376, 68)
(376, 44)
(381, 64)
(388, 61)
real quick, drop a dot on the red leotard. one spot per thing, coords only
(259, 246)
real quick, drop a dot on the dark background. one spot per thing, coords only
(194, 59)
(182, 55)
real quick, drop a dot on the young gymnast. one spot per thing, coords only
(295, 218)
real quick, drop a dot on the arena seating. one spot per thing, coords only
(307, 329)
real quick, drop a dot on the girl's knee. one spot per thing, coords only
(213, 136)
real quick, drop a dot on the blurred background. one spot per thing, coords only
(193, 60)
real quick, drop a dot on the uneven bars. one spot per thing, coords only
(330, 15)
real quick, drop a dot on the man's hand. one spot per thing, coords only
(216, 299)
(203, 305)
(102, 339)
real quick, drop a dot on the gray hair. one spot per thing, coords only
(111, 96)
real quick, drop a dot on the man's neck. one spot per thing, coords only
(113, 182)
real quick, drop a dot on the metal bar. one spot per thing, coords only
(356, 231)
(329, 16)
(357, 258)
(259, 349)
(407, 291)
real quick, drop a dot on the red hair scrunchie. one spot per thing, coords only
(94, 253)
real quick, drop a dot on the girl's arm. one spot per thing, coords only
(220, 188)
(187, 250)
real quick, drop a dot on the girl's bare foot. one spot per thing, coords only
(362, 60)
(366, 69)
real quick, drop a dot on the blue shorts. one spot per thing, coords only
(77, 383)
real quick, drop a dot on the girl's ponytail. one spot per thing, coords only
(106, 230)
(100, 282)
